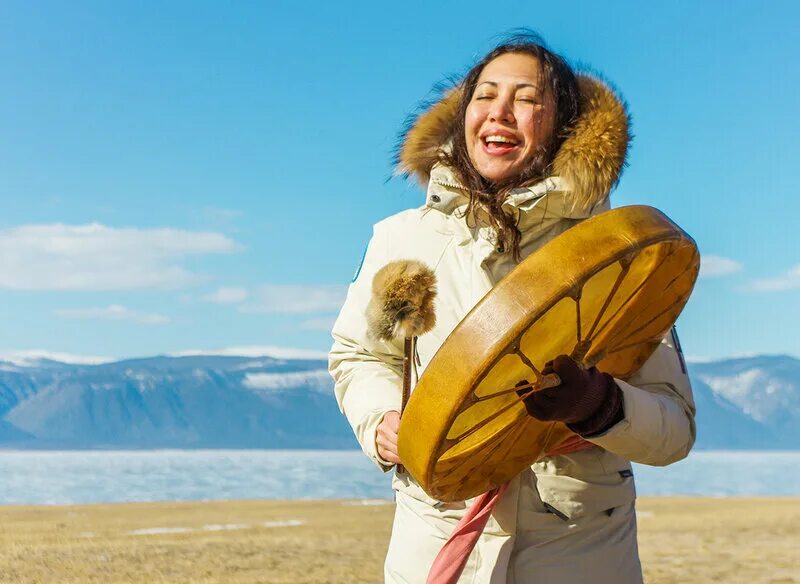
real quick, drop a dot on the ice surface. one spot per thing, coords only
(67, 477)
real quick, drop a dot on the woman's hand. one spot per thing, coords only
(386, 437)
(587, 400)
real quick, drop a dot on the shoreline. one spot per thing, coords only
(356, 500)
(315, 541)
(44, 448)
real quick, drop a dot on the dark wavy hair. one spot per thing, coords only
(556, 78)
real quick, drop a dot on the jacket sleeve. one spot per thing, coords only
(658, 427)
(367, 373)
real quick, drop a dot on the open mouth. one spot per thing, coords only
(496, 144)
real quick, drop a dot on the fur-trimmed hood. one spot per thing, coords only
(588, 164)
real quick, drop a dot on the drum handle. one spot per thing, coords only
(549, 380)
(542, 382)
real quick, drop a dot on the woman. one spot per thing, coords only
(519, 152)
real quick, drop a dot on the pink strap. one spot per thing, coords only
(452, 558)
(572, 444)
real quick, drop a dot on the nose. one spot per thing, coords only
(501, 111)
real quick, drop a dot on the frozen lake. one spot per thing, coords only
(57, 477)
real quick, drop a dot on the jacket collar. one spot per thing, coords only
(535, 207)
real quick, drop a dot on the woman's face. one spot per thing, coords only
(508, 117)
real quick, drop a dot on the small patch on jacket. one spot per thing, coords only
(554, 511)
(360, 265)
(626, 474)
(678, 348)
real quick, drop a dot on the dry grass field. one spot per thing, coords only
(682, 540)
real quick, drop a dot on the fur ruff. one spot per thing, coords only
(591, 158)
(403, 292)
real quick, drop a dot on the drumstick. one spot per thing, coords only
(403, 292)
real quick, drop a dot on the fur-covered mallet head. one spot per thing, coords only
(403, 293)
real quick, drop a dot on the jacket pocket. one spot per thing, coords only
(584, 483)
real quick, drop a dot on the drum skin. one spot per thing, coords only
(605, 292)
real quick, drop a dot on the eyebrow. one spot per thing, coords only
(518, 85)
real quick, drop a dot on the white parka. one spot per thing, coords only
(568, 517)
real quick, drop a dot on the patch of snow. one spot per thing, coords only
(33, 358)
(103, 386)
(759, 395)
(137, 376)
(160, 530)
(252, 365)
(285, 523)
(225, 527)
(368, 502)
(735, 387)
(317, 379)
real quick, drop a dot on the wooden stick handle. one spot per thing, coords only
(408, 365)
(408, 355)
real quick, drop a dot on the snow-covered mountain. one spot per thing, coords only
(758, 398)
(225, 401)
(171, 402)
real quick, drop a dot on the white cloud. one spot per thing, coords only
(112, 312)
(256, 351)
(274, 298)
(32, 358)
(318, 324)
(789, 280)
(96, 257)
(228, 295)
(712, 266)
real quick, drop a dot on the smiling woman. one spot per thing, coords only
(515, 109)
(516, 154)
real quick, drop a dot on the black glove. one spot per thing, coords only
(588, 401)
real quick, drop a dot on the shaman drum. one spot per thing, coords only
(605, 292)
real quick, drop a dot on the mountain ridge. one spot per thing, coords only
(229, 401)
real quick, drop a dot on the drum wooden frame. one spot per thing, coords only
(605, 292)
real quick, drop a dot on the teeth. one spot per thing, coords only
(494, 138)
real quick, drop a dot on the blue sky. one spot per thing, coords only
(198, 175)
